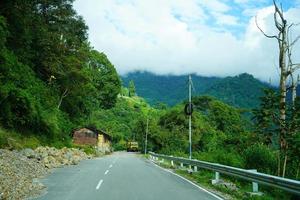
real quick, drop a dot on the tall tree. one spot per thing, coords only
(285, 44)
(266, 117)
(105, 78)
(131, 89)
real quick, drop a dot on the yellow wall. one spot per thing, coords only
(102, 144)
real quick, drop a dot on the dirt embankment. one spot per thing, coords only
(19, 170)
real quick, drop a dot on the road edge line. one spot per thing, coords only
(187, 180)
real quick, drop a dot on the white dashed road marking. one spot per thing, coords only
(99, 184)
(106, 172)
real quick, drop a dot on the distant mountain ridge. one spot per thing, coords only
(242, 91)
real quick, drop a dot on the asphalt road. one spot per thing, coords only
(121, 176)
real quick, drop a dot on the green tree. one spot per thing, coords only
(124, 91)
(105, 78)
(131, 88)
(50, 78)
(260, 157)
(266, 118)
(267, 122)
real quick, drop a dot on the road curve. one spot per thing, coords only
(122, 175)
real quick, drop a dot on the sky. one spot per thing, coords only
(205, 37)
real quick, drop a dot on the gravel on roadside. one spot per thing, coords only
(20, 170)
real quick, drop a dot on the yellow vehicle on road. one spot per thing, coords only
(132, 146)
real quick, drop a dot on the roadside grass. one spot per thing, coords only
(88, 149)
(147, 156)
(14, 140)
(10, 139)
(203, 178)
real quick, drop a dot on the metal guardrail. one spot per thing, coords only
(288, 185)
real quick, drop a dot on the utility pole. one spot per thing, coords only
(146, 135)
(190, 116)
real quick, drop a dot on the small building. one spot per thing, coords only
(94, 137)
(104, 142)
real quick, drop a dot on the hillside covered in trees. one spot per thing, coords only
(242, 91)
(51, 79)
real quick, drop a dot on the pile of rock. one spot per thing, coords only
(19, 170)
(228, 185)
(51, 157)
(16, 175)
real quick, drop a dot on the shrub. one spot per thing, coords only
(260, 157)
(121, 145)
(221, 156)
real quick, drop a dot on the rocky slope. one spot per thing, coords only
(19, 170)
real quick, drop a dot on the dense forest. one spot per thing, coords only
(52, 81)
(241, 91)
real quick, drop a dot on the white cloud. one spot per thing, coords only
(214, 5)
(179, 36)
(241, 1)
(223, 19)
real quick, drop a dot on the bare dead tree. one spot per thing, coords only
(287, 69)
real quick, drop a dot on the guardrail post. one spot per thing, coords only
(172, 163)
(195, 168)
(162, 160)
(181, 165)
(255, 185)
(217, 178)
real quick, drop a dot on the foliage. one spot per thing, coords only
(88, 149)
(50, 77)
(131, 89)
(14, 140)
(267, 122)
(222, 156)
(120, 120)
(260, 157)
(219, 132)
(241, 91)
(266, 117)
(103, 72)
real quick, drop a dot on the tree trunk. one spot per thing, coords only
(283, 77)
(284, 165)
(64, 94)
(278, 163)
(282, 132)
(298, 169)
(294, 94)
